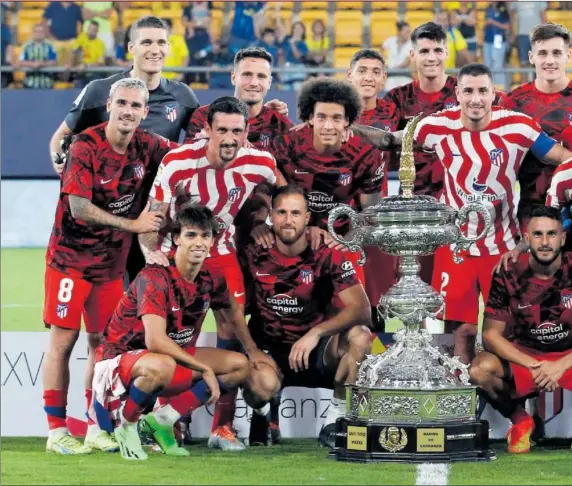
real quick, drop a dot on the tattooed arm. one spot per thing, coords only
(148, 240)
(378, 138)
(84, 210)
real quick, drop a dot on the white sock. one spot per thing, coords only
(56, 433)
(92, 429)
(166, 415)
(264, 410)
(336, 409)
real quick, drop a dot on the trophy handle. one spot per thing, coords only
(354, 244)
(465, 243)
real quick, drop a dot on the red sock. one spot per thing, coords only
(182, 380)
(55, 402)
(519, 416)
(224, 409)
(136, 402)
(88, 397)
(185, 402)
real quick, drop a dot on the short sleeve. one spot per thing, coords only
(560, 186)
(341, 272)
(78, 176)
(422, 131)
(220, 298)
(460, 42)
(162, 190)
(152, 289)
(87, 108)
(498, 303)
(372, 178)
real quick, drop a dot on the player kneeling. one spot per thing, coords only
(535, 296)
(292, 318)
(149, 346)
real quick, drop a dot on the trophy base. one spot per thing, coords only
(360, 441)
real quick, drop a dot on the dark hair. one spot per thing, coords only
(195, 215)
(149, 21)
(549, 31)
(94, 22)
(475, 69)
(168, 22)
(329, 90)
(268, 30)
(367, 54)
(252, 52)
(288, 190)
(303, 29)
(228, 105)
(429, 30)
(401, 24)
(546, 212)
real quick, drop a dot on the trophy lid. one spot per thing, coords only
(418, 209)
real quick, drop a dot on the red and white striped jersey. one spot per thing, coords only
(483, 167)
(186, 176)
(560, 192)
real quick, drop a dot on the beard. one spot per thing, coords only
(545, 261)
(290, 240)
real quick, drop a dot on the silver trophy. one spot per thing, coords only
(411, 403)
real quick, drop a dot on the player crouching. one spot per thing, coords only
(534, 294)
(314, 344)
(149, 349)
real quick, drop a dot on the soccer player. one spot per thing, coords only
(547, 99)
(149, 348)
(219, 173)
(367, 74)
(314, 344)
(315, 159)
(251, 78)
(99, 206)
(534, 297)
(480, 148)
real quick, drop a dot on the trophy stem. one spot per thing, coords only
(409, 266)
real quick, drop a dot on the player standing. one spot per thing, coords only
(314, 344)
(99, 206)
(149, 348)
(481, 148)
(534, 295)
(221, 174)
(547, 99)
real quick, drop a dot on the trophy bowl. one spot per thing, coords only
(411, 403)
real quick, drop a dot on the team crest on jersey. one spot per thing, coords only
(171, 112)
(62, 310)
(220, 223)
(206, 305)
(570, 118)
(566, 299)
(451, 104)
(345, 179)
(264, 139)
(234, 194)
(139, 171)
(496, 156)
(306, 276)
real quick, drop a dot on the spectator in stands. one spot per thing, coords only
(497, 27)
(465, 19)
(459, 54)
(36, 54)
(269, 41)
(101, 12)
(199, 46)
(397, 55)
(178, 53)
(222, 56)
(6, 50)
(525, 16)
(246, 15)
(294, 51)
(318, 44)
(122, 55)
(89, 51)
(64, 21)
(197, 14)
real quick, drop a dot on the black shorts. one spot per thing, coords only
(318, 375)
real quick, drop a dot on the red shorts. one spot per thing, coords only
(523, 381)
(461, 283)
(380, 272)
(67, 298)
(128, 360)
(227, 267)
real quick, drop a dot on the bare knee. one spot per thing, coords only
(484, 367)
(156, 369)
(466, 330)
(360, 341)
(94, 340)
(62, 341)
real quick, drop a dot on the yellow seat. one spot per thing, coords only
(384, 6)
(220, 5)
(308, 17)
(142, 4)
(31, 5)
(417, 17)
(343, 56)
(314, 5)
(563, 17)
(383, 25)
(175, 15)
(199, 85)
(131, 15)
(420, 6)
(62, 85)
(26, 21)
(349, 5)
(349, 28)
(216, 24)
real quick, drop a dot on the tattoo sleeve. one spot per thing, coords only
(82, 208)
(149, 241)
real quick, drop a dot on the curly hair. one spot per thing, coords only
(329, 90)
